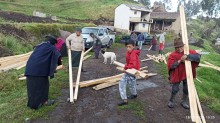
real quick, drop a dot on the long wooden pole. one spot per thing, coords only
(78, 76)
(70, 76)
(88, 51)
(191, 87)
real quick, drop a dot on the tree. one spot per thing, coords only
(191, 7)
(211, 7)
(145, 2)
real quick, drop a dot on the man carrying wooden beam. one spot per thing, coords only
(75, 42)
(132, 62)
(177, 71)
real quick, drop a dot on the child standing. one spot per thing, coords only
(132, 61)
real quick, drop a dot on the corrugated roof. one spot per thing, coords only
(164, 15)
(137, 7)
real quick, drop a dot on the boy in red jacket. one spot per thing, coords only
(132, 61)
(177, 72)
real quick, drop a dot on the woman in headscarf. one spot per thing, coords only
(97, 45)
(41, 64)
(154, 43)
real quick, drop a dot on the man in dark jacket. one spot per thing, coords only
(177, 71)
(41, 64)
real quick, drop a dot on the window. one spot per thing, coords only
(101, 32)
(143, 25)
(135, 12)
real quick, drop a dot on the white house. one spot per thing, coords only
(129, 17)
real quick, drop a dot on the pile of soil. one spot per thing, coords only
(18, 17)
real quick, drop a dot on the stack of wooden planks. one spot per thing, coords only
(106, 82)
(160, 58)
(13, 62)
(195, 105)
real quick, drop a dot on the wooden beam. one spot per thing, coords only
(22, 78)
(86, 57)
(78, 76)
(88, 51)
(119, 64)
(188, 67)
(209, 66)
(70, 76)
(142, 68)
(99, 81)
(105, 85)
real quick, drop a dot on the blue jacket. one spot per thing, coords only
(141, 37)
(43, 60)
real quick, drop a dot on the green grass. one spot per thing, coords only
(79, 9)
(13, 95)
(136, 107)
(14, 44)
(208, 90)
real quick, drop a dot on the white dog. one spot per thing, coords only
(107, 55)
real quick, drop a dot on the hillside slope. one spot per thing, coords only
(78, 9)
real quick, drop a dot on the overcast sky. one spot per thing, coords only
(174, 5)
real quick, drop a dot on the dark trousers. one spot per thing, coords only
(175, 87)
(76, 55)
(37, 90)
(97, 49)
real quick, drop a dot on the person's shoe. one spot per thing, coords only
(184, 102)
(49, 102)
(132, 97)
(184, 105)
(170, 104)
(171, 101)
(124, 102)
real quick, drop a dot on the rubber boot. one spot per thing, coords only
(124, 102)
(171, 101)
(184, 101)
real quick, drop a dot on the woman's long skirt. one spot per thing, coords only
(76, 55)
(37, 90)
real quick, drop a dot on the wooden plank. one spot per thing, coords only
(142, 68)
(99, 81)
(209, 66)
(198, 80)
(10, 62)
(188, 66)
(3, 59)
(146, 60)
(22, 78)
(200, 107)
(86, 57)
(105, 85)
(70, 76)
(78, 77)
(119, 64)
(19, 67)
(12, 66)
(150, 48)
(87, 51)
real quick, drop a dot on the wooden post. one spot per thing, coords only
(70, 76)
(88, 51)
(155, 24)
(163, 25)
(190, 83)
(78, 76)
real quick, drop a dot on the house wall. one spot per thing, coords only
(122, 16)
(176, 26)
(139, 27)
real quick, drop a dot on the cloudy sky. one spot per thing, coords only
(174, 5)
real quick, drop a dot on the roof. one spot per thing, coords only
(137, 7)
(164, 15)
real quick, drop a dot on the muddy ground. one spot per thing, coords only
(101, 106)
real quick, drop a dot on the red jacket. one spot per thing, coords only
(179, 74)
(132, 60)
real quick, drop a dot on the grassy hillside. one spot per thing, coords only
(79, 9)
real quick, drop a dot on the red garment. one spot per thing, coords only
(132, 60)
(154, 41)
(161, 46)
(59, 43)
(179, 74)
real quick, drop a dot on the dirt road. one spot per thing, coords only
(101, 106)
